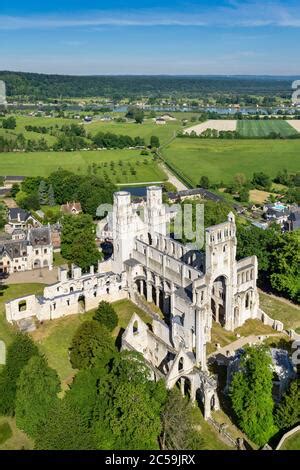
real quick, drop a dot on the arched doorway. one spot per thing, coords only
(36, 264)
(141, 286)
(185, 386)
(81, 304)
(218, 300)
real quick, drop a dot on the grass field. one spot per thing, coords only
(258, 197)
(43, 163)
(281, 310)
(220, 160)
(145, 130)
(54, 337)
(23, 121)
(264, 128)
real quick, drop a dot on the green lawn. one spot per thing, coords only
(220, 160)
(54, 337)
(264, 128)
(286, 312)
(292, 443)
(101, 163)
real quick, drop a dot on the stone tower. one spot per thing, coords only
(221, 269)
(123, 229)
(155, 214)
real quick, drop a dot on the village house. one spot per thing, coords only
(160, 121)
(26, 250)
(72, 208)
(168, 117)
(20, 219)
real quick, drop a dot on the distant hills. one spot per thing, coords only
(42, 86)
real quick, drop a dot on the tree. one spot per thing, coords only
(19, 352)
(65, 429)
(31, 184)
(261, 181)
(251, 394)
(240, 179)
(14, 189)
(106, 315)
(128, 407)
(92, 192)
(82, 394)
(154, 142)
(91, 344)
(135, 113)
(288, 411)
(284, 266)
(204, 182)
(9, 123)
(37, 389)
(254, 241)
(51, 198)
(244, 195)
(29, 201)
(179, 420)
(78, 240)
(43, 193)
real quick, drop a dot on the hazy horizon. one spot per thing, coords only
(148, 37)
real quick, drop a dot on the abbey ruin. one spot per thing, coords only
(191, 287)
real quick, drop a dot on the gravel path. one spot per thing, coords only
(173, 179)
(239, 343)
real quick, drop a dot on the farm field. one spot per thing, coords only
(264, 128)
(295, 123)
(217, 124)
(81, 162)
(220, 160)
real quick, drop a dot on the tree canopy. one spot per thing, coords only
(91, 345)
(251, 394)
(37, 389)
(78, 241)
(106, 315)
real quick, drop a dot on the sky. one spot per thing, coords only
(84, 37)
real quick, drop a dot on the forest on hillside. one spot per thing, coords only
(42, 86)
